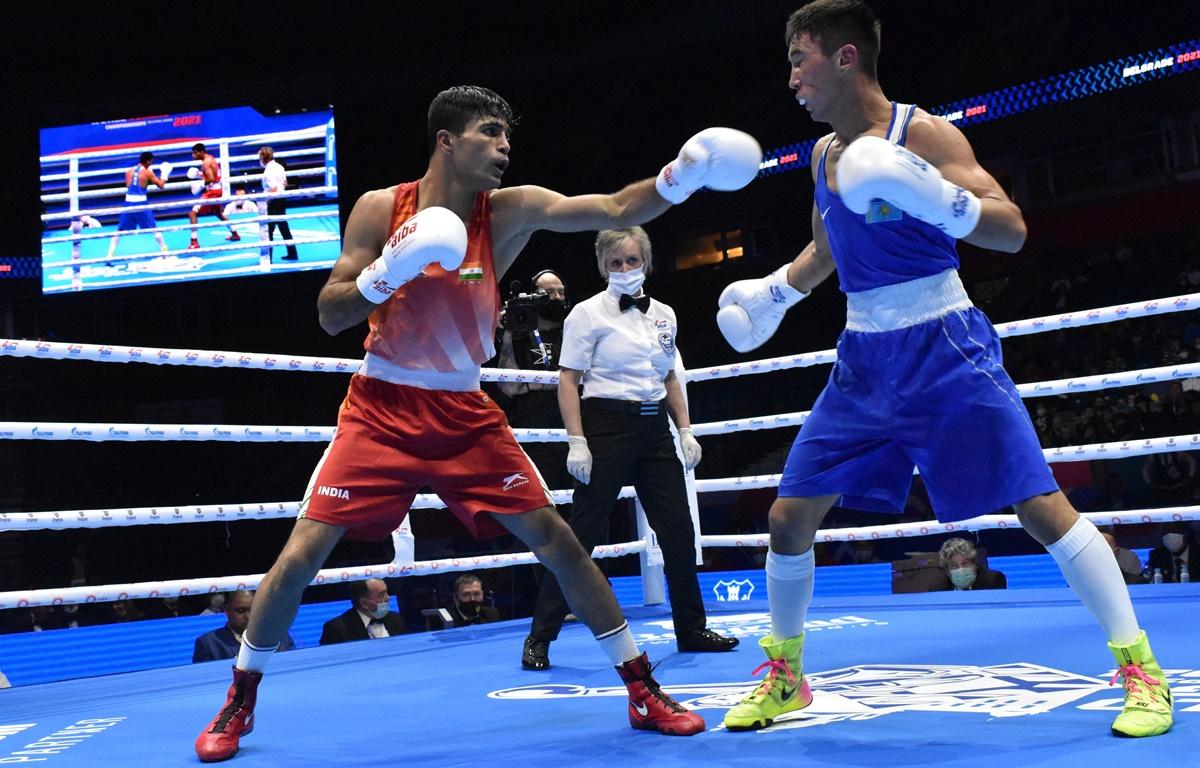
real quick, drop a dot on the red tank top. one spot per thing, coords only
(445, 321)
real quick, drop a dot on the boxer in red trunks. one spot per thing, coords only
(421, 262)
(208, 177)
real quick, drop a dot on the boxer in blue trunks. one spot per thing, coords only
(137, 181)
(919, 379)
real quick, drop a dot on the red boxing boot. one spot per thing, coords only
(650, 707)
(219, 741)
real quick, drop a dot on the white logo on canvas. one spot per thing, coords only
(874, 690)
(733, 591)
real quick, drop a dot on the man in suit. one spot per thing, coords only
(368, 617)
(468, 605)
(223, 643)
(1177, 552)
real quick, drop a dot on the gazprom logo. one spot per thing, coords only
(150, 432)
(81, 432)
(42, 432)
(252, 432)
(118, 432)
(185, 432)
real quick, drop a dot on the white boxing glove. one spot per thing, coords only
(690, 447)
(874, 168)
(579, 458)
(196, 186)
(718, 158)
(751, 310)
(164, 170)
(433, 234)
(193, 172)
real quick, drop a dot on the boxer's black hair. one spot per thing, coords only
(834, 23)
(453, 108)
(145, 158)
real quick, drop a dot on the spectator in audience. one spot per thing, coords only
(960, 561)
(468, 605)
(1177, 552)
(1129, 563)
(215, 605)
(123, 611)
(166, 607)
(1170, 477)
(369, 617)
(1113, 498)
(223, 643)
(242, 205)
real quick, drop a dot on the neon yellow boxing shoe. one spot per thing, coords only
(783, 690)
(1148, 705)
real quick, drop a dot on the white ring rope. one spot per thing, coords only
(1080, 319)
(184, 587)
(168, 187)
(277, 137)
(981, 523)
(189, 202)
(256, 219)
(239, 245)
(17, 430)
(102, 518)
(214, 359)
(120, 169)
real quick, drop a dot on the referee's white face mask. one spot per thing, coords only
(629, 282)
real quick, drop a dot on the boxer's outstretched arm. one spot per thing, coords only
(340, 305)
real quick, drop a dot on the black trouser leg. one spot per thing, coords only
(658, 478)
(613, 454)
(279, 208)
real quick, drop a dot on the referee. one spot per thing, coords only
(621, 345)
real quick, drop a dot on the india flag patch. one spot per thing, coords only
(470, 272)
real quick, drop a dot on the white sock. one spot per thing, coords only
(251, 658)
(619, 645)
(1091, 569)
(789, 591)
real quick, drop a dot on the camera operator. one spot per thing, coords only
(531, 341)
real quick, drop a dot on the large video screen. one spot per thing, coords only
(195, 196)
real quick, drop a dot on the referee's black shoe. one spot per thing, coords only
(705, 641)
(536, 654)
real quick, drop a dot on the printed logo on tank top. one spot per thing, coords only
(882, 210)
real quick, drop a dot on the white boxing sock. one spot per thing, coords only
(619, 645)
(1091, 569)
(251, 658)
(789, 591)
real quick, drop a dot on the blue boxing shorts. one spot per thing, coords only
(131, 220)
(933, 395)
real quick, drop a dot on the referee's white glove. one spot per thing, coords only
(579, 458)
(690, 447)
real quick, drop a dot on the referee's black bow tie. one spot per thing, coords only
(628, 301)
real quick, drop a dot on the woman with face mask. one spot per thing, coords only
(960, 561)
(620, 345)
(1177, 552)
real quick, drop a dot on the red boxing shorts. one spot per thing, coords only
(204, 210)
(392, 440)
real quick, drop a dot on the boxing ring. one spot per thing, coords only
(83, 196)
(1006, 678)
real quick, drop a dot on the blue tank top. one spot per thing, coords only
(885, 246)
(135, 192)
